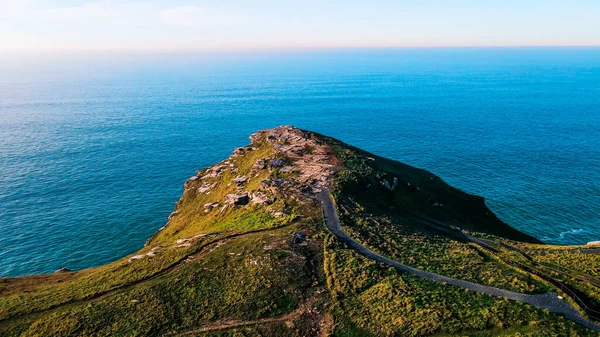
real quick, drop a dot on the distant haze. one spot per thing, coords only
(94, 151)
(33, 25)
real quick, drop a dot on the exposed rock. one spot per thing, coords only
(385, 184)
(313, 162)
(205, 188)
(189, 181)
(240, 180)
(214, 171)
(277, 163)
(593, 243)
(298, 238)
(435, 203)
(260, 164)
(241, 151)
(238, 151)
(174, 213)
(186, 242)
(261, 198)
(267, 184)
(299, 150)
(62, 270)
(287, 169)
(149, 254)
(211, 205)
(278, 182)
(237, 199)
(279, 214)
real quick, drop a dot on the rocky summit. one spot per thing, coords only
(299, 234)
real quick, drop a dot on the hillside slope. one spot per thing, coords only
(246, 253)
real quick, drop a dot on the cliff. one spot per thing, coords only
(246, 252)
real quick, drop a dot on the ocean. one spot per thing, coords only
(94, 148)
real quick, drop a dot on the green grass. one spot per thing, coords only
(239, 265)
(416, 191)
(371, 300)
(240, 280)
(386, 222)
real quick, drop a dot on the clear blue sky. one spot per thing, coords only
(270, 24)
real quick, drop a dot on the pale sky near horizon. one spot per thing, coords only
(269, 24)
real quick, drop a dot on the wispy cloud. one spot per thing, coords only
(194, 16)
(208, 25)
(29, 24)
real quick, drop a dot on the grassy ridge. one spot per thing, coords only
(371, 300)
(233, 271)
(240, 279)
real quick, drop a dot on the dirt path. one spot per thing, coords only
(229, 324)
(200, 252)
(549, 301)
(234, 324)
(588, 304)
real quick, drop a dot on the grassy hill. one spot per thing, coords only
(246, 253)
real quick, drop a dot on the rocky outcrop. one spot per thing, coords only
(237, 199)
(210, 206)
(385, 184)
(312, 162)
(240, 180)
(206, 188)
(240, 151)
(277, 163)
(261, 198)
(260, 164)
(148, 255)
(212, 172)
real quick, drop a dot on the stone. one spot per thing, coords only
(237, 199)
(238, 151)
(211, 205)
(299, 150)
(593, 243)
(287, 169)
(260, 198)
(63, 270)
(260, 164)
(214, 171)
(298, 238)
(205, 188)
(385, 184)
(240, 180)
(277, 163)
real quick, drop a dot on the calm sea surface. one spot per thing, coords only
(94, 150)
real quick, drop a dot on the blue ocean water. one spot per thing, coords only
(94, 149)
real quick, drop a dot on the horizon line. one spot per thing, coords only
(273, 49)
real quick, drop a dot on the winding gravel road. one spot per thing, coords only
(549, 301)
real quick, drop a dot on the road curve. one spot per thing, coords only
(549, 301)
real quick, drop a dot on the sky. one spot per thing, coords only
(161, 25)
